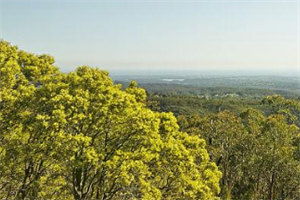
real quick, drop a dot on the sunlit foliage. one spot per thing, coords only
(79, 136)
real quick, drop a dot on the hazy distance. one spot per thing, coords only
(260, 36)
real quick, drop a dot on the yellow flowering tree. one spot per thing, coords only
(80, 136)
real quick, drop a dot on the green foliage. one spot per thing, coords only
(190, 105)
(79, 136)
(290, 108)
(257, 155)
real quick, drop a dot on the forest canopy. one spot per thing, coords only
(78, 135)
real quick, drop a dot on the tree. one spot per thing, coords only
(226, 138)
(290, 108)
(78, 135)
(258, 155)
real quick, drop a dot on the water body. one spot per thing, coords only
(172, 80)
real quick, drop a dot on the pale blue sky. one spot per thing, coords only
(155, 35)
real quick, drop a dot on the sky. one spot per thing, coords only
(133, 35)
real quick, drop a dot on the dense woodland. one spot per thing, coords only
(254, 142)
(217, 91)
(79, 135)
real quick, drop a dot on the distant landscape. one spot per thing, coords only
(150, 100)
(216, 86)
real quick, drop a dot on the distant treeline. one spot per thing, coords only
(170, 89)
